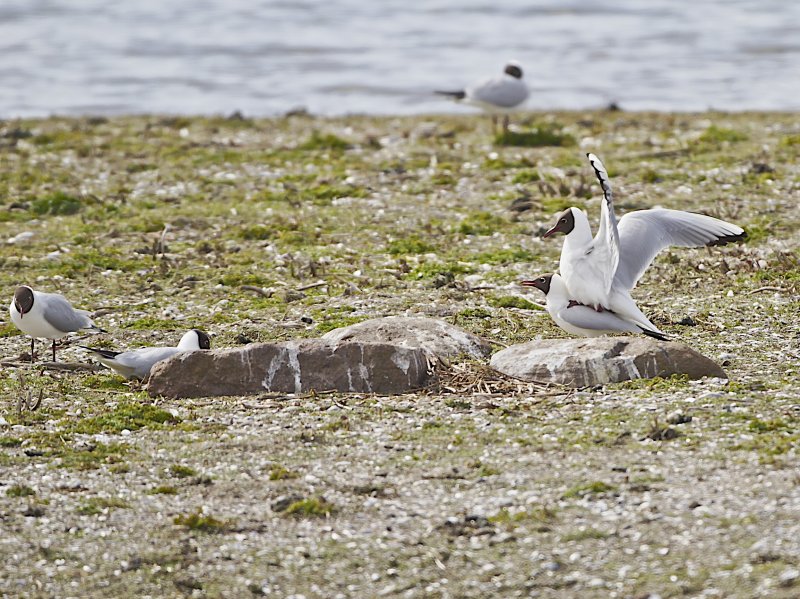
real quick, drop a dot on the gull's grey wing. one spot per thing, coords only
(60, 314)
(137, 363)
(606, 245)
(644, 233)
(587, 318)
(503, 92)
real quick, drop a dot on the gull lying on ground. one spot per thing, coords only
(578, 319)
(136, 364)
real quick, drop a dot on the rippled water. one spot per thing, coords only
(344, 56)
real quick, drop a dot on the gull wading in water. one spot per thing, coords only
(499, 95)
(136, 364)
(578, 319)
(600, 271)
(46, 316)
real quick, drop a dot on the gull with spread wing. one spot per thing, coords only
(600, 271)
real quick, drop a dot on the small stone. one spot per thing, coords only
(552, 566)
(789, 577)
(678, 417)
(290, 295)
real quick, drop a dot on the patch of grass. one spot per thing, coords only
(20, 491)
(92, 458)
(658, 384)
(310, 507)
(541, 514)
(9, 330)
(163, 490)
(181, 471)
(279, 472)
(541, 136)
(412, 244)
(149, 323)
(256, 232)
(474, 313)
(126, 415)
(717, 135)
(514, 301)
(526, 176)
(324, 141)
(651, 176)
(103, 381)
(505, 256)
(448, 270)
(57, 203)
(587, 489)
(481, 223)
(584, 534)
(202, 522)
(97, 505)
(10, 442)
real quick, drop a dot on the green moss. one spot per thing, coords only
(587, 489)
(105, 382)
(279, 472)
(125, 415)
(481, 223)
(584, 534)
(474, 313)
(149, 323)
(57, 203)
(90, 458)
(526, 176)
(324, 141)
(256, 232)
(717, 135)
(337, 322)
(541, 514)
(505, 256)
(163, 490)
(20, 491)
(412, 244)
(514, 301)
(651, 176)
(10, 442)
(429, 270)
(310, 507)
(9, 330)
(202, 523)
(181, 471)
(658, 384)
(98, 505)
(543, 135)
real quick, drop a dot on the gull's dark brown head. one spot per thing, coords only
(564, 224)
(203, 340)
(23, 300)
(513, 69)
(542, 283)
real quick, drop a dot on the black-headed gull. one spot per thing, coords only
(136, 364)
(499, 95)
(578, 319)
(46, 316)
(600, 271)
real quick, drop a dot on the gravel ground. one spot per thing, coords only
(477, 487)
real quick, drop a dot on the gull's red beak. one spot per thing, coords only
(552, 231)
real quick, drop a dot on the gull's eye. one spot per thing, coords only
(541, 279)
(563, 220)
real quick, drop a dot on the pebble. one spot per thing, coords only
(789, 577)
(678, 417)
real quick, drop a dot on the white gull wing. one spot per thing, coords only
(503, 92)
(60, 314)
(644, 233)
(606, 248)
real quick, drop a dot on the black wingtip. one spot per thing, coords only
(106, 353)
(726, 239)
(654, 334)
(458, 95)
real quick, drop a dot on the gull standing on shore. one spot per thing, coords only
(499, 95)
(46, 316)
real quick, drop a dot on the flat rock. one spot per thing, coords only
(600, 360)
(292, 367)
(440, 338)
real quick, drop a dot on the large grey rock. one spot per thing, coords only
(440, 338)
(600, 360)
(292, 367)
